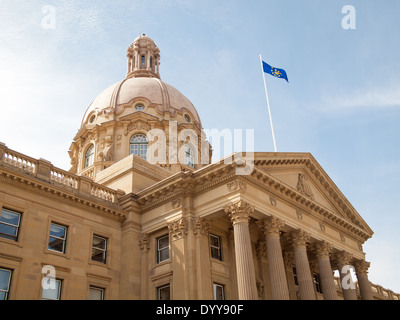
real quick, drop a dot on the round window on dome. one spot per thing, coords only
(139, 107)
(187, 118)
(92, 118)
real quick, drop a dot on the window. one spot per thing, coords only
(89, 156)
(99, 249)
(219, 291)
(143, 59)
(215, 244)
(163, 248)
(295, 275)
(96, 293)
(187, 118)
(189, 156)
(52, 293)
(5, 280)
(164, 292)
(138, 145)
(57, 238)
(139, 107)
(317, 282)
(9, 224)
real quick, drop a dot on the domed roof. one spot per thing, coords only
(142, 83)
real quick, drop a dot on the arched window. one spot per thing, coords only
(138, 145)
(89, 156)
(143, 61)
(189, 156)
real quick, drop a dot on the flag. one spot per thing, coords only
(278, 73)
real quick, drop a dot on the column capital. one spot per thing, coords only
(144, 242)
(178, 228)
(343, 258)
(362, 266)
(322, 248)
(299, 238)
(201, 226)
(271, 226)
(239, 212)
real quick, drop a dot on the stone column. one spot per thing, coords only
(343, 260)
(299, 241)
(144, 265)
(323, 250)
(239, 213)
(362, 267)
(277, 275)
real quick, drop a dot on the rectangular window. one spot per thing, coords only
(96, 293)
(57, 238)
(215, 244)
(317, 283)
(164, 292)
(53, 291)
(295, 275)
(99, 249)
(163, 248)
(9, 224)
(219, 291)
(5, 280)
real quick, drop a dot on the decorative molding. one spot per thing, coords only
(299, 238)
(236, 185)
(322, 226)
(271, 226)
(362, 266)
(176, 203)
(272, 201)
(178, 228)
(322, 248)
(239, 212)
(144, 241)
(303, 186)
(299, 214)
(201, 226)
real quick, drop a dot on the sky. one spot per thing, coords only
(342, 102)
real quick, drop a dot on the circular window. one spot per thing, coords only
(92, 118)
(187, 118)
(139, 107)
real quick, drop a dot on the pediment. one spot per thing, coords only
(302, 173)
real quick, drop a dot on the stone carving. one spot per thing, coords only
(272, 201)
(299, 238)
(322, 248)
(239, 211)
(322, 226)
(304, 187)
(201, 226)
(177, 228)
(236, 184)
(271, 226)
(137, 125)
(176, 203)
(144, 241)
(299, 214)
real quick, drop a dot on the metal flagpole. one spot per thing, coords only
(269, 110)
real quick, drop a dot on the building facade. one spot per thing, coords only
(143, 214)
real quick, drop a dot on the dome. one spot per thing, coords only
(158, 94)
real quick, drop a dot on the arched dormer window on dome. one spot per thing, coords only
(89, 156)
(138, 145)
(189, 156)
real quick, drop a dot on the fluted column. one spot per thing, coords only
(323, 250)
(239, 213)
(277, 275)
(362, 267)
(299, 241)
(343, 260)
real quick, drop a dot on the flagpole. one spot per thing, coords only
(269, 109)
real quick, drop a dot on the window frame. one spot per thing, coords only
(103, 292)
(7, 292)
(163, 287)
(139, 145)
(89, 159)
(104, 261)
(317, 282)
(17, 227)
(295, 279)
(192, 155)
(222, 286)
(60, 282)
(163, 248)
(64, 240)
(218, 248)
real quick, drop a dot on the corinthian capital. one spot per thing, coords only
(343, 258)
(322, 248)
(299, 238)
(362, 266)
(271, 226)
(143, 241)
(239, 211)
(178, 228)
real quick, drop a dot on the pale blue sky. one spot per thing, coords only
(342, 102)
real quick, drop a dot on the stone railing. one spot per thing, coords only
(45, 171)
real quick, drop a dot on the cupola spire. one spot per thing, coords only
(143, 58)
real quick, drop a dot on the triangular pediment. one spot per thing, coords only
(303, 174)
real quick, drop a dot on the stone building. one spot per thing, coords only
(119, 225)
